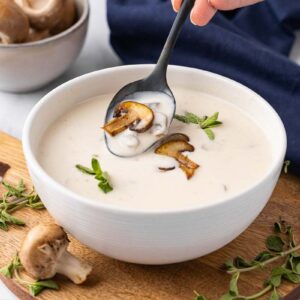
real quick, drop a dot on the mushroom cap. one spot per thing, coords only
(173, 146)
(69, 17)
(42, 248)
(42, 14)
(37, 35)
(14, 25)
(130, 114)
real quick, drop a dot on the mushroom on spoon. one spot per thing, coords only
(152, 91)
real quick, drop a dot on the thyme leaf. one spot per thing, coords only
(286, 165)
(205, 123)
(96, 171)
(9, 269)
(13, 199)
(281, 244)
(34, 287)
(37, 287)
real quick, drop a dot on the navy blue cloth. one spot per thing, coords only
(249, 45)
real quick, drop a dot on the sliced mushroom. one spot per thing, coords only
(14, 25)
(44, 253)
(68, 18)
(173, 137)
(163, 169)
(3, 169)
(189, 172)
(174, 148)
(133, 115)
(43, 14)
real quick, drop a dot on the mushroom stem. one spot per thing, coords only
(73, 268)
(4, 39)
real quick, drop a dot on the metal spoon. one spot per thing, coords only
(157, 80)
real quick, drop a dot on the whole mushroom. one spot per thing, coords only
(14, 25)
(68, 17)
(37, 35)
(44, 253)
(42, 14)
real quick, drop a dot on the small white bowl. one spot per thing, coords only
(29, 66)
(152, 237)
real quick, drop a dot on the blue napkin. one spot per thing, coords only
(249, 45)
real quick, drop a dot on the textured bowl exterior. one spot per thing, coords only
(27, 67)
(150, 237)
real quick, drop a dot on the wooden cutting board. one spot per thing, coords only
(112, 279)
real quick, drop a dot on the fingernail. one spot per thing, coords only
(192, 21)
(173, 5)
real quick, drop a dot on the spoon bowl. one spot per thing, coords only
(156, 81)
(149, 84)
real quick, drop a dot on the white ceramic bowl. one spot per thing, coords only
(29, 66)
(152, 237)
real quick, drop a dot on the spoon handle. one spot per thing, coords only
(162, 63)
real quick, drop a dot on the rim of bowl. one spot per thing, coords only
(38, 169)
(83, 18)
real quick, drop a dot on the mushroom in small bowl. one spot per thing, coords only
(39, 40)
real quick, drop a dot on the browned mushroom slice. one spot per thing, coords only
(174, 148)
(3, 169)
(135, 116)
(166, 169)
(173, 137)
(189, 172)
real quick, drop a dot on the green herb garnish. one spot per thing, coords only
(34, 287)
(96, 171)
(15, 198)
(279, 245)
(8, 271)
(286, 165)
(38, 286)
(199, 297)
(206, 123)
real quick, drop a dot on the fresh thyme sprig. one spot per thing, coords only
(277, 248)
(206, 123)
(286, 165)
(8, 270)
(15, 198)
(34, 287)
(100, 175)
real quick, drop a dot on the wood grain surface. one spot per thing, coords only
(112, 279)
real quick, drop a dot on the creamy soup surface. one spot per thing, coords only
(237, 158)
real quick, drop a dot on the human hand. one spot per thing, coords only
(204, 10)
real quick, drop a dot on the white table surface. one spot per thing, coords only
(96, 54)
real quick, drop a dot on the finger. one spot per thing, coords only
(176, 4)
(202, 12)
(232, 4)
